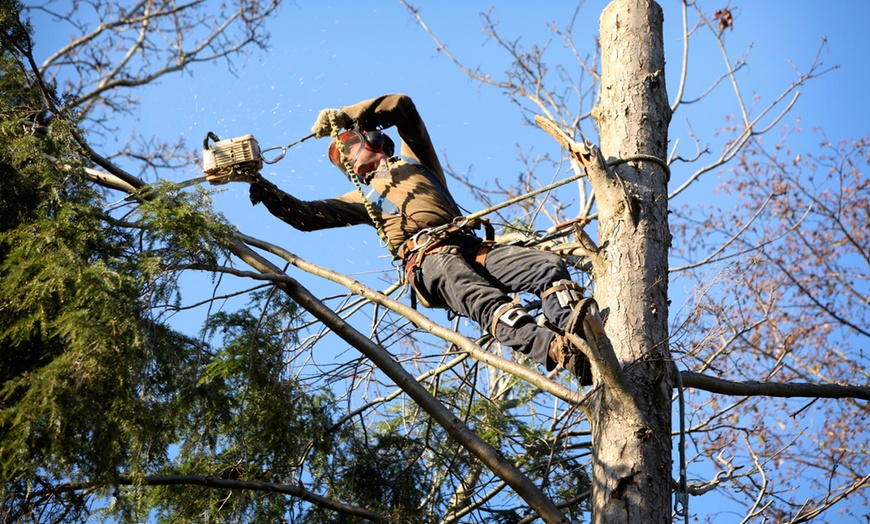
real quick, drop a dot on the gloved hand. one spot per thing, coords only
(322, 126)
(228, 175)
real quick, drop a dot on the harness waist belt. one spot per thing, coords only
(429, 237)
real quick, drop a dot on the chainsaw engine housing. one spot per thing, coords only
(231, 159)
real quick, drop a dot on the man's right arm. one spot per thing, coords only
(308, 216)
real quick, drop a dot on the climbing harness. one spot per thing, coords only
(426, 241)
(435, 240)
(429, 237)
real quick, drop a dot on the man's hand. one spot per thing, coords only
(322, 126)
(228, 175)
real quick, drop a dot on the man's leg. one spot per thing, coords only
(546, 275)
(448, 276)
(533, 271)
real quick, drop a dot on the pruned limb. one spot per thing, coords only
(576, 149)
(586, 153)
(593, 164)
(599, 350)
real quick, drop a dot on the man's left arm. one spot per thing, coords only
(399, 111)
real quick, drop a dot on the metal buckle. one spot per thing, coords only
(421, 239)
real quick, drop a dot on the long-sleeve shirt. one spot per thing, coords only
(422, 201)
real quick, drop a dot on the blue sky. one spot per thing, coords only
(334, 53)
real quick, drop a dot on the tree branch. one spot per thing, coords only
(692, 379)
(287, 489)
(420, 320)
(521, 484)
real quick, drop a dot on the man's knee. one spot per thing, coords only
(554, 267)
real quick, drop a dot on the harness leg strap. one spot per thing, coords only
(509, 314)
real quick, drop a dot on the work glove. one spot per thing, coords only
(233, 175)
(322, 127)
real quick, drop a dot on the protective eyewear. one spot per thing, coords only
(371, 140)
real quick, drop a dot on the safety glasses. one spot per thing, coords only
(371, 140)
(352, 139)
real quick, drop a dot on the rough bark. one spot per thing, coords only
(632, 434)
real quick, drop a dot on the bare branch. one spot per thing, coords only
(772, 389)
(417, 318)
(292, 490)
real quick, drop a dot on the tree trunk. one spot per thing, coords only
(632, 434)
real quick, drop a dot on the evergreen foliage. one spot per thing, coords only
(93, 386)
(98, 394)
(103, 402)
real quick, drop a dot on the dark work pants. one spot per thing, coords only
(477, 291)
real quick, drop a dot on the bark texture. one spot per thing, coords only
(632, 464)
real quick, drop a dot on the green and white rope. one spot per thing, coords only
(373, 215)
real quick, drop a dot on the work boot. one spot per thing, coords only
(563, 353)
(571, 357)
(566, 354)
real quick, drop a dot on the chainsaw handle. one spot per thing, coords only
(212, 136)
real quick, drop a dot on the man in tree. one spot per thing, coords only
(407, 199)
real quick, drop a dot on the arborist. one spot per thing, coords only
(446, 264)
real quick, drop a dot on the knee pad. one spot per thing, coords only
(567, 292)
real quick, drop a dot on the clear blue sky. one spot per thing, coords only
(328, 54)
(333, 53)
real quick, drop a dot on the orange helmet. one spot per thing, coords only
(372, 140)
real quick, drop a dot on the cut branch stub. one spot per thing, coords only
(586, 153)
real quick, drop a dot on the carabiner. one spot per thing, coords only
(425, 234)
(276, 159)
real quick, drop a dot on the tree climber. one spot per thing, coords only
(445, 263)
